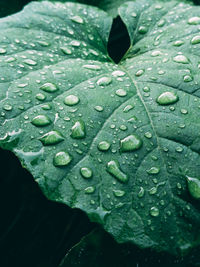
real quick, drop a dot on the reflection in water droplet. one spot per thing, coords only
(49, 87)
(78, 130)
(71, 100)
(103, 146)
(194, 186)
(167, 98)
(51, 138)
(154, 212)
(104, 81)
(114, 169)
(61, 159)
(41, 120)
(130, 143)
(86, 172)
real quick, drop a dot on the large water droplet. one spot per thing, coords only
(130, 143)
(194, 186)
(61, 159)
(86, 172)
(154, 212)
(49, 87)
(7, 107)
(121, 92)
(41, 120)
(78, 130)
(40, 97)
(2, 51)
(104, 81)
(51, 138)
(142, 30)
(167, 98)
(89, 190)
(114, 169)
(103, 146)
(194, 21)
(71, 100)
(181, 59)
(195, 40)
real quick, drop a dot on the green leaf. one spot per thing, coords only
(116, 141)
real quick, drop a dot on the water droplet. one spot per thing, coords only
(178, 43)
(161, 23)
(66, 50)
(41, 120)
(167, 98)
(51, 138)
(30, 62)
(187, 78)
(92, 67)
(104, 81)
(153, 170)
(89, 190)
(181, 59)
(86, 172)
(153, 190)
(7, 107)
(179, 149)
(123, 127)
(49, 87)
(77, 19)
(148, 135)
(114, 169)
(194, 21)
(46, 107)
(156, 53)
(118, 193)
(184, 111)
(103, 146)
(142, 30)
(134, 15)
(40, 97)
(121, 92)
(43, 43)
(71, 100)
(118, 73)
(139, 73)
(154, 212)
(194, 187)
(141, 192)
(78, 130)
(195, 40)
(61, 159)
(130, 143)
(75, 43)
(2, 51)
(98, 108)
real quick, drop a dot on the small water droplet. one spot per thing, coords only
(195, 40)
(2, 51)
(154, 212)
(61, 159)
(71, 100)
(181, 59)
(7, 107)
(123, 127)
(41, 120)
(114, 169)
(103, 146)
(86, 172)
(92, 67)
(89, 190)
(40, 97)
(78, 130)
(121, 92)
(139, 73)
(153, 170)
(142, 30)
(104, 81)
(118, 193)
(141, 192)
(75, 43)
(187, 78)
(98, 108)
(51, 138)
(178, 43)
(194, 186)
(46, 107)
(77, 19)
(130, 143)
(167, 98)
(49, 87)
(148, 135)
(128, 108)
(118, 73)
(30, 62)
(153, 190)
(179, 149)
(66, 50)
(184, 111)
(194, 21)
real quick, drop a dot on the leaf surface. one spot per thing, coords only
(116, 141)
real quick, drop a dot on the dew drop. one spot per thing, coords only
(118, 73)
(184, 111)
(142, 30)
(78, 130)
(61, 159)
(103, 146)
(118, 193)
(51, 138)
(194, 187)
(128, 108)
(148, 135)
(181, 59)
(71, 100)
(154, 212)
(121, 92)
(195, 40)
(7, 107)
(66, 50)
(104, 81)
(167, 98)
(187, 78)
(194, 21)
(178, 43)
(49, 87)
(130, 143)
(75, 43)
(153, 190)
(98, 108)
(139, 73)
(89, 190)
(77, 19)
(114, 169)
(41, 120)
(92, 67)
(2, 51)
(153, 170)
(141, 192)
(86, 172)
(30, 62)
(40, 97)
